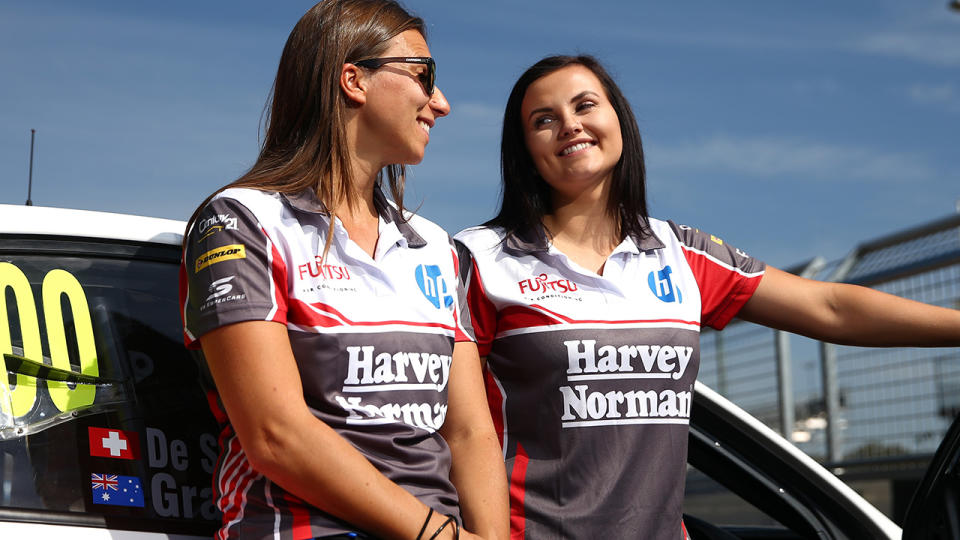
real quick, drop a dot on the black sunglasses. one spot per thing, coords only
(427, 78)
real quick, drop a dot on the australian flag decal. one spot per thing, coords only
(116, 490)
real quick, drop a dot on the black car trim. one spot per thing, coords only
(133, 524)
(844, 518)
(39, 244)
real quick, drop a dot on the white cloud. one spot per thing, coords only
(928, 47)
(943, 95)
(774, 158)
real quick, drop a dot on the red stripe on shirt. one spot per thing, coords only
(516, 317)
(278, 269)
(483, 314)
(301, 517)
(213, 401)
(518, 489)
(494, 402)
(607, 321)
(231, 502)
(520, 317)
(320, 314)
(723, 291)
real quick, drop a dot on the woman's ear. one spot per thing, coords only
(353, 84)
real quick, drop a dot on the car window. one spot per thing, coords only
(102, 413)
(712, 502)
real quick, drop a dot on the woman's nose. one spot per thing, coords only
(570, 126)
(439, 104)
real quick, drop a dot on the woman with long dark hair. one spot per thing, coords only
(330, 318)
(587, 313)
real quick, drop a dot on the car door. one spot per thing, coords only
(770, 489)
(934, 512)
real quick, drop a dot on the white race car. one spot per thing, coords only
(105, 431)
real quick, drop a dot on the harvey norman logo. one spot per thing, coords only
(409, 377)
(220, 254)
(584, 406)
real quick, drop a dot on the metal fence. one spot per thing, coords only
(853, 408)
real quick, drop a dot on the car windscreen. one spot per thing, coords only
(103, 417)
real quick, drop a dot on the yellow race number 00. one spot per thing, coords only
(56, 284)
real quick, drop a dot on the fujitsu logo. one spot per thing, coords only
(543, 283)
(324, 271)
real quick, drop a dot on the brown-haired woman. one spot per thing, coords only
(588, 313)
(347, 389)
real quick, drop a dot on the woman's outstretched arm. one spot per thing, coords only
(256, 376)
(477, 470)
(849, 314)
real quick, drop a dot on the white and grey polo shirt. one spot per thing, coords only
(372, 337)
(590, 377)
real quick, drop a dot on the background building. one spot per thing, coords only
(872, 416)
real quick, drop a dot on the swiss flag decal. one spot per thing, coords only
(114, 443)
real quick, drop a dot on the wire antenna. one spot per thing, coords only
(33, 133)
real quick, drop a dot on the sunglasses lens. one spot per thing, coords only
(429, 77)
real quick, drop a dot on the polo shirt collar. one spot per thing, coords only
(534, 240)
(307, 201)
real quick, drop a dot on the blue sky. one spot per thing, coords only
(789, 129)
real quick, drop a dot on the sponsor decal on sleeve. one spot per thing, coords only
(114, 443)
(220, 291)
(220, 254)
(212, 225)
(116, 490)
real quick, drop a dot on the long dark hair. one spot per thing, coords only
(525, 197)
(305, 141)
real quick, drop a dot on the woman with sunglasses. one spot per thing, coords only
(587, 312)
(349, 394)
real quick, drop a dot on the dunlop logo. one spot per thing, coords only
(220, 254)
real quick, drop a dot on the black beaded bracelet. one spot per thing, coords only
(444, 526)
(429, 515)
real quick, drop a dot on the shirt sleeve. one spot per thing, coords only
(231, 271)
(461, 314)
(482, 312)
(726, 276)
